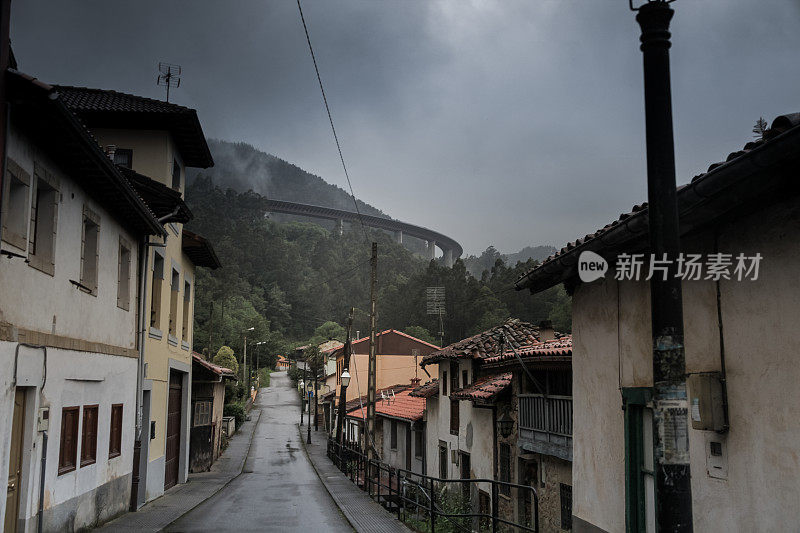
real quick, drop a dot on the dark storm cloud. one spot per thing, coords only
(505, 123)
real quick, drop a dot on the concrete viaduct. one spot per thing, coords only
(451, 250)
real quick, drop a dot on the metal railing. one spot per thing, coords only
(549, 414)
(431, 504)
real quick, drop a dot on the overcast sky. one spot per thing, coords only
(494, 122)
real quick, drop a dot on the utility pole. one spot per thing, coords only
(372, 360)
(303, 395)
(670, 428)
(343, 389)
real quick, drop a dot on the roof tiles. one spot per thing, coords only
(488, 343)
(403, 406)
(485, 389)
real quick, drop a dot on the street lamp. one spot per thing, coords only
(505, 424)
(345, 378)
(302, 400)
(310, 392)
(244, 358)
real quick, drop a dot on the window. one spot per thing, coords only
(175, 287)
(115, 437)
(15, 205)
(123, 157)
(155, 298)
(566, 506)
(187, 297)
(419, 444)
(442, 460)
(68, 448)
(124, 275)
(639, 463)
(453, 377)
(202, 413)
(454, 421)
(44, 216)
(505, 468)
(176, 175)
(394, 435)
(444, 383)
(89, 435)
(464, 378)
(90, 250)
(465, 466)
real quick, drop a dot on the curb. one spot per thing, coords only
(324, 483)
(241, 469)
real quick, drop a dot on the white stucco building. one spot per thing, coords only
(71, 232)
(741, 341)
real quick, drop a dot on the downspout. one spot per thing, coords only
(723, 373)
(144, 255)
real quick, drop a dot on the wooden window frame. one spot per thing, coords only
(199, 410)
(187, 309)
(62, 451)
(174, 291)
(15, 215)
(635, 401)
(504, 468)
(444, 382)
(124, 274)
(42, 243)
(419, 444)
(156, 290)
(115, 431)
(443, 458)
(126, 151)
(90, 258)
(453, 376)
(176, 174)
(89, 445)
(455, 419)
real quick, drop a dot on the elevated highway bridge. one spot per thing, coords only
(451, 250)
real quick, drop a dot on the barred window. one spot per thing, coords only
(202, 413)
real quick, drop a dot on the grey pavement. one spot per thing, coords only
(364, 514)
(278, 489)
(161, 512)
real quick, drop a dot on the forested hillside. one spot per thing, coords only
(476, 265)
(286, 279)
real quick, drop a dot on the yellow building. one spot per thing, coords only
(154, 142)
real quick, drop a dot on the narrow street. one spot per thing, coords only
(278, 489)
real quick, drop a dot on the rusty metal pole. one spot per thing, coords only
(670, 428)
(370, 436)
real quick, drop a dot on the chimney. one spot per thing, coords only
(415, 382)
(546, 332)
(110, 150)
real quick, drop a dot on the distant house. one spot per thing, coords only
(208, 400)
(399, 428)
(72, 234)
(741, 342)
(354, 423)
(283, 363)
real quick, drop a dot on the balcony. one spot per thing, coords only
(545, 424)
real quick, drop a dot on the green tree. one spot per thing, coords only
(226, 358)
(330, 331)
(421, 333)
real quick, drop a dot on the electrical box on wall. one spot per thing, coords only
(43, 420)
(706, 407)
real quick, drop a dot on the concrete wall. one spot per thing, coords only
(76, 327)
(153, 155)
(397, 457)
(761, 342)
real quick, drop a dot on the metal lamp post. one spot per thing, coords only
(310, 393)
(245, 376)
(302, 400)
(670, 421)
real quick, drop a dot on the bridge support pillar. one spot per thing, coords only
(340, 227)
(398, 235)
(431, 250)
(448, 258)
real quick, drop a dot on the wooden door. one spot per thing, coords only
(15, 463)
(173, 435)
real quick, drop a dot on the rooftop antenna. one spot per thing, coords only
(169, 75)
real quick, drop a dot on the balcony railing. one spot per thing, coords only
(545, 424)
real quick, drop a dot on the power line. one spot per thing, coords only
(330, 119)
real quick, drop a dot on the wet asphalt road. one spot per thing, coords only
(278, 489)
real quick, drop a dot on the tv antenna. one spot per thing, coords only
(435, 306)
(169, 75)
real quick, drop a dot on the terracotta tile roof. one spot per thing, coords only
(218, 370)
(485, 389)
(691, 197)
(331, 346)
(428, 390)
(388, 331)
(357, 402)
(487, 344)
(403, 406)
(107, 108)
(561, 347)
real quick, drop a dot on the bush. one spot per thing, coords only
(236, 410)
(227, 359)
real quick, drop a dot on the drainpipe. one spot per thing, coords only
(144, 256)
(40, 521)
